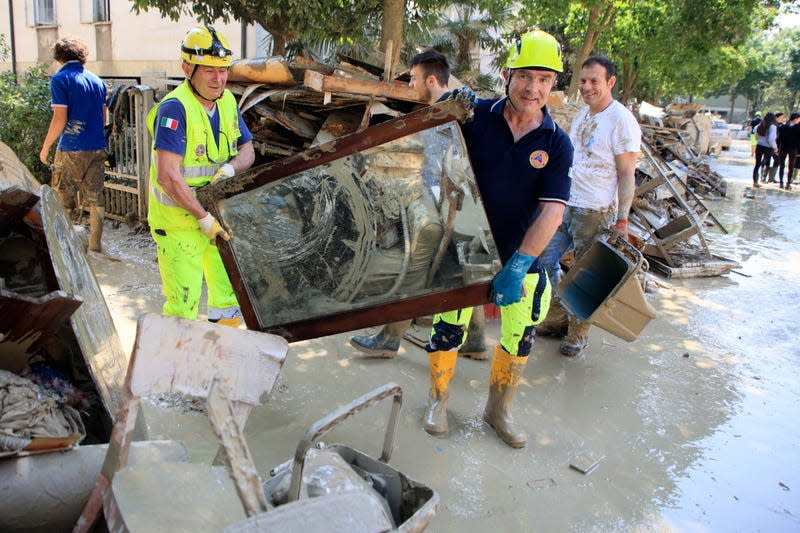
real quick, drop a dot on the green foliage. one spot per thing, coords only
(771, 78)
(25, 108)
(463, 28)
(337, 22)
(662, 48)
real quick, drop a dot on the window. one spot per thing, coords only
(94, 11)
(44, 12)
(101, 11)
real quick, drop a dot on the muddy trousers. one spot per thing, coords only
(517, 325)
(184, 259)
(579, 228)
(386, 342)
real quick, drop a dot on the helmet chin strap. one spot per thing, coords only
(508, 95)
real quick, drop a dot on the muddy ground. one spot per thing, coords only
(694, 426)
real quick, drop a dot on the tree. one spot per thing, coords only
(25, 108)
(465, 29)
(589, 20)
(393, 16)
(669, 47)
(285, 20)
(336, 21)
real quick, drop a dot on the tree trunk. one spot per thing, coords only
(463, 56)
(628, 82)
(392, 30)
(733, 100)
(600, 18)
(276, 26)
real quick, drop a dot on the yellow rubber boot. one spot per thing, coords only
(234, 322)
(442, 366)
(507, 370)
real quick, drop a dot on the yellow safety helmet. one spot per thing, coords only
(204, 46)
(536, 49)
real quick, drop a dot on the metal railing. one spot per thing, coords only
(127, 180)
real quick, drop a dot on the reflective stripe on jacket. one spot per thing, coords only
(202, 157)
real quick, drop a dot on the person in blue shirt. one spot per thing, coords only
(521, 160)
(430, 72)
(79, 113)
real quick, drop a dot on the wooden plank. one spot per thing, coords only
(239, 461)
(92, 324)
(289, 120)
(339, 123)
(26, 323)
(460, 298)
(716, 266)
(337, 84)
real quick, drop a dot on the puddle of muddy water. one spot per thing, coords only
(693, 425)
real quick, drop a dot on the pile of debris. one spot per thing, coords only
(292, 106)
(682, 157)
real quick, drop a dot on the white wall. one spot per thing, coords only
(127, 46)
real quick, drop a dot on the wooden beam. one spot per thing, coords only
(338, 84)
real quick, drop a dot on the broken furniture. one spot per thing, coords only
(312, 234)
(172, 356)
(669, 216)
(51, 302)
(337, 488)
(602, 288)
(55, 329)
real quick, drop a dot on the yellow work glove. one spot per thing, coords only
(212, 228)
(225, 171)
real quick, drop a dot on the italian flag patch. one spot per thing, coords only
(170, 123)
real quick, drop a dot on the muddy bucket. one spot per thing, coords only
(602, 288)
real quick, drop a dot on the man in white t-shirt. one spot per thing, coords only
(607, 140)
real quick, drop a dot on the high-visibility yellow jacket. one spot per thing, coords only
(202, 157)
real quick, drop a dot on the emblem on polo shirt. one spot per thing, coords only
(200, 151)
(539, 159)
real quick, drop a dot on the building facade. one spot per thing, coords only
(143, 48)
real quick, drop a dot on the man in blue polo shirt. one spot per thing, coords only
(521, 160)
(79, 111)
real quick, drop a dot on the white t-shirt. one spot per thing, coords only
(597, 139)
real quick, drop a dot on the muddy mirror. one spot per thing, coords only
(345, 241)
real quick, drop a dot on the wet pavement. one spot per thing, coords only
(693, 426)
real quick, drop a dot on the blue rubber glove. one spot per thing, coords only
(507, 285)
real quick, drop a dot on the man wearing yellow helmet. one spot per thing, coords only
(521, 160)
(198, 137)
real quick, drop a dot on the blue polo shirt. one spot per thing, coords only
(84, 95)
(174, 140)
(514, 177)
